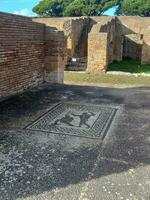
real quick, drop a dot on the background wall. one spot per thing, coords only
(73, 28)
(126, 37)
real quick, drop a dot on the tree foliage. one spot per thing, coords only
(53, 8)
(88, 7)
(135, 7)
(59, 8)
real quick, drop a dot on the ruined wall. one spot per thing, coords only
(30, 53)
(79, 36)
(72, 28)
(36, 50)
(146, 49)
(111, 30)
(21, 53)
(101, 44)
(55, 52)
(97, 52)
(126, 37)
(146, 41)
(132, 46)
(129, 37)
(135, 27)
(58, 43)
(124, 26)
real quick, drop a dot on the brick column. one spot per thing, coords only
(97, 52)
(55, 50)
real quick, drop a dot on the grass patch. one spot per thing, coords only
(129, 65)
(81, 78)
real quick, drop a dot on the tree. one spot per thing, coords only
(134, 8)
(58, 8)
(52, 8)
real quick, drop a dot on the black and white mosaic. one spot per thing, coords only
(90, 121)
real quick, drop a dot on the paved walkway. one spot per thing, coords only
(75, 143)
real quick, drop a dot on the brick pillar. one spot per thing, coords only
(55, 51)
(97, 52)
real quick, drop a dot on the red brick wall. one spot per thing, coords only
(21, 53)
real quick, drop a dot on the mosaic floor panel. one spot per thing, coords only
(92, 121)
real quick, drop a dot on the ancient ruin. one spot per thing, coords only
(95, 42)
(72, 142)
(33, 50)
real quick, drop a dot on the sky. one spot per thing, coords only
(24, 7)
(21, 7)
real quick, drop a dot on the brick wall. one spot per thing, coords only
(36, 50)
(55, 49)
(30, 53)
(21, 53)
(73, 28)
(55, 52)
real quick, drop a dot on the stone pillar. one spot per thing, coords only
(97, 52)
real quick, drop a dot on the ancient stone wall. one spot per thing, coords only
(73, 29)
(125, 26)
(79, 36)
(36, 50)
(30, 53)
(21, 53)
(101, 44)
(126, 37)
(97, 52)
(146, 48)
(111, 40)
(132, 46)
(55, 52)
(145, 59)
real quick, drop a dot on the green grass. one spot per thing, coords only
(129, 65)
(114, 80)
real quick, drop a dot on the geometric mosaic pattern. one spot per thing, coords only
(91, 121)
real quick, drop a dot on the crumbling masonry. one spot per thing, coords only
(34, 50)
